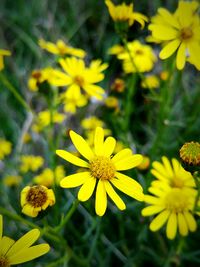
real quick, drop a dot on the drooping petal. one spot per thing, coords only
(81, 145)
(192, 225)
(74, 180)
(24, 242)
(101, 199)
(171, 228)
(114, 196)
(169, 49)
(109, 146)
(28, 254)
(132, 192)
(87, 189)
(151, 210)
(128, 162)
(5, 244)
(182, 225)
(128, 181)
(98, 141)
(181, 56)
(159, 220)
(71, 158)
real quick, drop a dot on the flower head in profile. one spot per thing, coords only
(173, 206)
(179, 32)
(102, 169)
(125, 13)
(30, 163)
(20, 251)
(35, 199)
(5, 148)
(38, 77)
(2, 54)
(62, 49)
(78, 77)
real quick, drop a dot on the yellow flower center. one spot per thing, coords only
(36, 196)
(79, 80)
(177, 182)
(36, 74)
(102, 168)
(176, 201)
(4, 262)
(139, 52)
(186, 33)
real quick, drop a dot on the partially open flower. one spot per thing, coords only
(190, 156)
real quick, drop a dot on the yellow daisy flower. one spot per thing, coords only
(37, 77)
(35, 199)
(125, 13)
(60, 48)
(103, 169)
(12, 180)
(150, 82)
(30, 163)
(118, 85)
(2, 54)
(180, 32)
(79, 77)
(20, 251)
(174, 206)
(172, 174)
(5, 148)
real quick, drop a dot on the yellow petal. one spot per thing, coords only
(169, 49)
(158, 175)
(114, 196)
(87, 189)
(98, 141)
(171, 226)
(192, 225)
(128, 181)
(167, 166)
(101, 199)
(159, 168)
(5, 244)
(71, 158)
(181, 56)
(169, 18)
(159, 221)
(128, 162)
(109, 146)
(24, 242)
(74, 180)
(151, 200)
(182, 225)
(163, 33)
(132, 192)
(81, 145)
(151, 210)
(122, 154)
(28, 254)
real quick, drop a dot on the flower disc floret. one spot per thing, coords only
(4, 262)
(36, 196)
(102, 168)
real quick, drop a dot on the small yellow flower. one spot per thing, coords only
(150, 82)
(79, 77)
(118, 85)
(5, 148)
(30, 163)
(12, 180)
(2, 54)
(38, 77)
(35, 199)
(180, 32)
(174, 206)
(103, 169)
(144, 164)
(164, 75)
(91, 123)
(125, 13)
(116, 49)
(27, 138)
(112, 102)
(20, 251)
(60, 48)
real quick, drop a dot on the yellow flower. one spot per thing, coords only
(174, 206)
(27, 138)
(164, 75)
(35, 199)
(71, 101)
(116, 49)
(118, 85)
(2, 54)
(150, 82)
(44, 119)
(103, 169)
(144, 164)
(180, 32)
(112, 102)
(38, 77)
(172, 174)
(142, 55)
(79, 77)
(30, 163)
(124, 13)
(48, 177)
(20, 251)
(60, 48)
(5, 148)
(12, 180)
(91, 123)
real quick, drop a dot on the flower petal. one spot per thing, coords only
(74, 180)
(128, 162)
(87, 189)
(98, 141)
(5, 244)
(171, 226)
(81, 145)
(181, 56)
(182, 225)
(162, 32)
(167, 166)
(169, 49)
(192, 225)
(109, 146)
(151, 210)
(71, 158)
(101, 199)
(114, 196)
(128, 181)
(122, 154)
(159, 220)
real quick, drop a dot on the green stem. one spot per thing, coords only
(12, 89)
(94, 243)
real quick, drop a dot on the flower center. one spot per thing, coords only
(36, 74)
(176, 201)
(36, 196)
(177, 182)
(139, 52)
(4, 262)
(186, 33)
(102, 168)
(79, 80)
